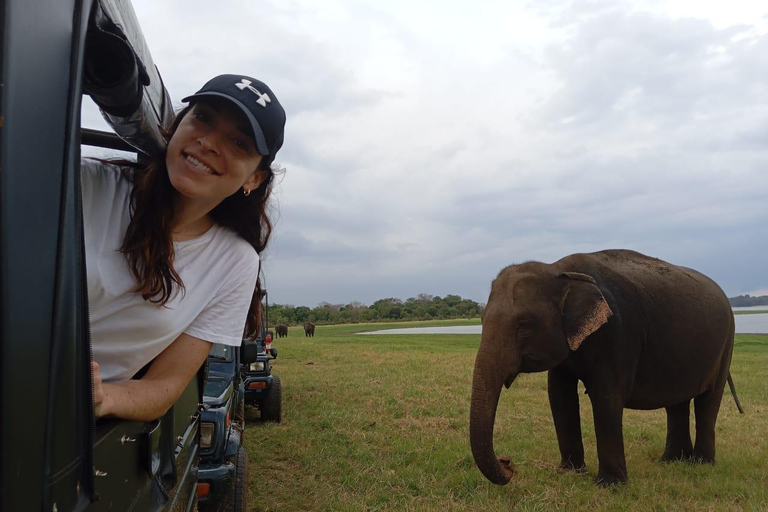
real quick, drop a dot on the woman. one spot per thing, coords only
(172, 246)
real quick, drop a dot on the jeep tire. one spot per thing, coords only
(240, 498)
(271, 407)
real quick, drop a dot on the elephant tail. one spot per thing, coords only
(733, 392)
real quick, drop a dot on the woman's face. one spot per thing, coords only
(212, 155)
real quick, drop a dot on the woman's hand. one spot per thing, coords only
(101, 399)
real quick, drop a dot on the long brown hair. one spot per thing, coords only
(148, 243)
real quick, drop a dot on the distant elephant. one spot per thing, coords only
(309, 329)
(282, 330)
(638, 332)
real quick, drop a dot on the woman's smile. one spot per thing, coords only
(201, 166)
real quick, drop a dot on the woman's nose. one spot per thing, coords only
(209, 141)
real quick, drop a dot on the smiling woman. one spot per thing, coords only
(172, 246)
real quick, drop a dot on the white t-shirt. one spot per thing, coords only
(219, 271)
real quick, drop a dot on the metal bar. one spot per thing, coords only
(101, 139)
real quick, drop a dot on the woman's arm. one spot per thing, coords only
(150, 397)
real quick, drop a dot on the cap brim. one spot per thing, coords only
(258, 134)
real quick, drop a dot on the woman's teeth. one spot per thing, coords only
(200, 165)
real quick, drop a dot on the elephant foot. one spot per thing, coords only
(570, 465)
(676, 456)
(604, 479)
(701, 459)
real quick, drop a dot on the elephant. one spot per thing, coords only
(282, 330)
(638, 332)
(309, 329)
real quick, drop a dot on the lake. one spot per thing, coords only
(745, 324)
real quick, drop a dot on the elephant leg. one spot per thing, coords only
(609, 411)
(706, 407)
(564, 403)
(679, 446)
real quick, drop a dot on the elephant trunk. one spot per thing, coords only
(486, 389)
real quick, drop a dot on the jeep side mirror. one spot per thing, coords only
(248, 352)
(273, 351)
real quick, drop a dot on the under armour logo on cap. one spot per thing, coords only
(263, 98)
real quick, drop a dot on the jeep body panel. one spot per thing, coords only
(222, 399)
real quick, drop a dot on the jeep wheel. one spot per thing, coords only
(271, 407)
(241, 482)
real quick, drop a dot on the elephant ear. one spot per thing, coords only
(583, 308)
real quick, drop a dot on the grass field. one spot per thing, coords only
(380, 422)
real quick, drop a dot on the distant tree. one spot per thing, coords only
(424, 298)
(280, 314)
(354, 311)
(742, 301)
(301, 314)
(412, 309)
(324, 313)
(389, 308)
(452, 300)
(370, 315)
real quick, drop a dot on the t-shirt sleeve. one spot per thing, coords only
(99, 184)
(223, 319)
(93, 182)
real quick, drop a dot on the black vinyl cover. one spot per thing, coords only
(122, 79)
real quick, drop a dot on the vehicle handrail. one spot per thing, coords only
(102, 139)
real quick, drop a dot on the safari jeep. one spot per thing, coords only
(263, 390)
(55, 457)
(223, 472)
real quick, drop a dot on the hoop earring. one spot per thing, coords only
(246, 192)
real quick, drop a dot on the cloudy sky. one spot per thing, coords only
(430, 143)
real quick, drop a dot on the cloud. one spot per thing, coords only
(430, 144)
(650, 140)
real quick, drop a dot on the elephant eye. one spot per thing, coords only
(525, 329)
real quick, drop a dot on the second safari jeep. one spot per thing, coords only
(223, 473)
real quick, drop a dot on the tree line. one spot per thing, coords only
(421, 307)
(743, 301)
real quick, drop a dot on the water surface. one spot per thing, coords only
(745, 324)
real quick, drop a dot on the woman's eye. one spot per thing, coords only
(240, 144)
(201, 116)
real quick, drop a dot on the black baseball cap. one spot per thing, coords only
(258, 103)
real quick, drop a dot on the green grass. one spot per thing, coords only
(751, 312)
(380, 422)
